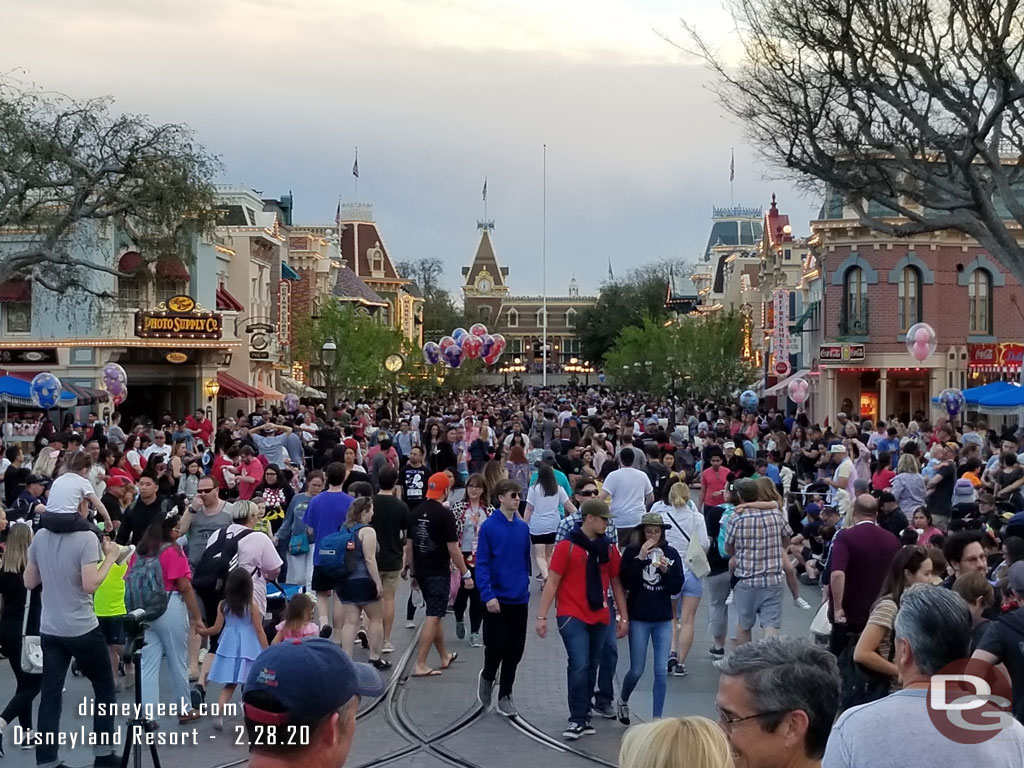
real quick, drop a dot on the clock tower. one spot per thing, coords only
(484, 288)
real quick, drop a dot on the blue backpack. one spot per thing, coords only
(340, 551)
(144, 586)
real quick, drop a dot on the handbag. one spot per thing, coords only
(696, 558)
(820, 625)
(31, 645)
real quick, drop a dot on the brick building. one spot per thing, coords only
(876, 287)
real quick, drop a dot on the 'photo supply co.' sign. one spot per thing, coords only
(179, 318)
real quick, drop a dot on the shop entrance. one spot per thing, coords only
(153, 399)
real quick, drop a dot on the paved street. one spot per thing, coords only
(423, 723)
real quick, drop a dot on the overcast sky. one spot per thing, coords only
(437, 95)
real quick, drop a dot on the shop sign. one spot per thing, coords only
(176, 357)
(41, 356)
(1006, 355)
(841, 353)
(179, 318)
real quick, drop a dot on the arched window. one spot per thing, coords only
(513, 318)
(570, 317)
(979, 291)
(484, 313)
(854, 320)
(909, 297)
(540, 318)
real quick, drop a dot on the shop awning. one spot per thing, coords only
(16, 291)
(130, 262)
(172, 268)
(302, 390)
(288, 273)
(226, 302)
(232, 387)
(269, 393)
(86, 395)
(798, 326)
(780, 387)
(15, 390)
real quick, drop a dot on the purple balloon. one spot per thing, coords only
(431, 353)
(453, 356)
(488, 341)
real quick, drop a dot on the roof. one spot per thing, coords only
(413, 290)
(681, 288)
(349, 287)
(357, 240)
(233, 216)
(739, 228)
(776, 224)
(485, 258)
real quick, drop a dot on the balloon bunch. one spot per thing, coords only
(474, 344)
(115, 383)
(46, 389)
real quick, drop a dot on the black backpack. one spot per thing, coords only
(217, 562)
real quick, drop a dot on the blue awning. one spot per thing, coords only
(997, 396)
(288, 273)
(17, 391)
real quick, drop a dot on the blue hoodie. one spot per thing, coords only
(503, 559)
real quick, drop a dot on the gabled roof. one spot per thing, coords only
(485, 258)
(348, 287)
(357, 240)
(413, 290)
(775, 224)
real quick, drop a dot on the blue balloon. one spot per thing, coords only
(453, 355)
(431, 353)
(600, 377)
(458, 333)
(45, 389)
(749, 400)
(952, 400)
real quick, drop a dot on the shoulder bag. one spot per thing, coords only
(31, 645)
(696, 558)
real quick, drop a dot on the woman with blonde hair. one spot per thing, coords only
(908, 486)
(677, 742)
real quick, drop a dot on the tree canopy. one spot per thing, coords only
(440, 313)
(66, 163)
(912, 111)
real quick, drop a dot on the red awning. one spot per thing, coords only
(130, 262)
(226, 302)
(171, 268)
(232, 387)
(17, 291)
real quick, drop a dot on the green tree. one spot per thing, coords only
(362, 343)
(66, 163)
(441, 315)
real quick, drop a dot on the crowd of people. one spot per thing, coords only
(278, 538)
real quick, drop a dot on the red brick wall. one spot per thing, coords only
(944, 302)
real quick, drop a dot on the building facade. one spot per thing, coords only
(488, 299)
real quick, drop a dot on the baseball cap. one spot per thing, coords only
(547, 457)
(595, 507)
(437, 485)
(293, 674)
(116, 481)
(33, 479)
(651, 422)
(702, 426)
(837, 448)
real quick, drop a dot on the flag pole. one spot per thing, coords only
(485, 198)
(355, 173)
(544, 267)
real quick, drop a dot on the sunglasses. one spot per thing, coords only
(587, 493)
(206, 490)
(514, 494)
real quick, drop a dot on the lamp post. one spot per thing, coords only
(212, 388)
(672, 374)
(328, 357)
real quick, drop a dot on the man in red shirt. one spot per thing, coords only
(200, 426)
(582, 568)
(713, 481)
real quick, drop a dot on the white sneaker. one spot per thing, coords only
(387, 648)
(410, 625)
(799, 602)
(126, 553)
(728, 600)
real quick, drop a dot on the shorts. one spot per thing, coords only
(390, 580)
(112, 628)
(436, 589)
(543, 538)
(359, 591)
(752, 603)
(692, 586)
(322, 581)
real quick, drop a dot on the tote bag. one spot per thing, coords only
(696, 558)
(31, 645)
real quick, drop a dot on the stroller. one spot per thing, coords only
(278, 596)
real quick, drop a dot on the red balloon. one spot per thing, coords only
(472, 346)
(445, 342)
(478, 329)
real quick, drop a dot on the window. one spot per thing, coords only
(165, 289)
(484, 313)
(376, 259)
(385, 314)
(980, 308)
(570, 317)
(540, 318)
(855, 303)
(513, 319)
(787, 254)
(18, 317)
(129, 292)
(909, 296)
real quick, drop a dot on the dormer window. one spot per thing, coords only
(513, 319)
(376, 258)
(570, 317)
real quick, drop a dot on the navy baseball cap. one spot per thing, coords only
(294, 673)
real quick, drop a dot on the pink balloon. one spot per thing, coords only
(472, 346)
(478, 329)
(799, 389)
(922, 336)
(920, 351)
(445, 342)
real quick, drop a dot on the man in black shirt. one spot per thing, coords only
(390, 521)
(940, 485)
(570, 463)
(14, 475)
(432, 545)
(413, 478)
(140, 514)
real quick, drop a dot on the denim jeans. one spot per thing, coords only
(90, 651)
(583, 643)
(640, 634)
(605, 693)
(167, 638)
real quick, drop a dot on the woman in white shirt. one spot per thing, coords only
(687, 522)
(542, 502)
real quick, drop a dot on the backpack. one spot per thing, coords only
(144, 586)
(339, 555)
(217, 562)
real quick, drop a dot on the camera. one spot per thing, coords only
(135, 626)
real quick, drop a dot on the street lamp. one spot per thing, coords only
(394, 363)
(328, 357)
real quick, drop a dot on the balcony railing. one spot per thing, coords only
(853, 318)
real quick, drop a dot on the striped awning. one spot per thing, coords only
(230, 387)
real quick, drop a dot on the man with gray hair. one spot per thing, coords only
(777, 698)
(932, 630)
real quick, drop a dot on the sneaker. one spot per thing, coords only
(623, 712)
(363, 638)
(799, 602)
(588, 729)
(572, 732)
(673, 659)
(506, 707)
(460, 630)
(202, 658)
(410, 625)
(680, 670)
(717, 653)
(381, 664)
(475, 641)
(326, 631)
(728, 600)
(126, 552)
(604, 710)
(484, 690)
(387, 648)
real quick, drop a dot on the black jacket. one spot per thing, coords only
(649, 591)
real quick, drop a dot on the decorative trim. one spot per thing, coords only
(981, 339)
(911, 260)
(854, 260)
(981, 261)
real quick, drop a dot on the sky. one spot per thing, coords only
(438, 95)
